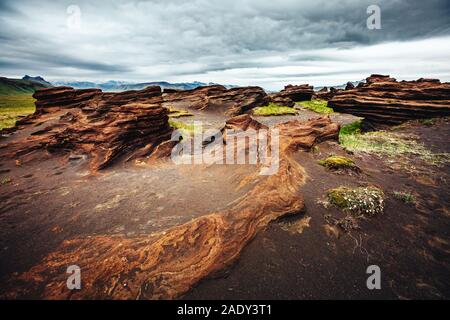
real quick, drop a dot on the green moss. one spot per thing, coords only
(406, 197)
(357, 201)
(185, 128)
(338, 162)
(427, 122)
(6, 180)
(349, 129)
(274, 110)
(317, 105)
(12, 107)
(175, 113)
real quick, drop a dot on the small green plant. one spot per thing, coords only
(316, 105)
(350, 129)
(273, 109)
(186, 128)
(337, 162)
(427, 122)
(357, 201)
(406, 197)
(175, 113)
(6, 180)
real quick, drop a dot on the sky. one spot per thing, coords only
(248, 42)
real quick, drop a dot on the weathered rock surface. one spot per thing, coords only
(325, 93)
(243, 122)
(216, 98)
(349, 86)
(281, 101)
(291, 94)
(384, 101)
(301, 92)
(167, 264)
(103, 126)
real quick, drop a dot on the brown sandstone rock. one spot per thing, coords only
(219, 99)
(301, 92)
(167, 264)
(281, 101)
(104, 126)
(384, 101)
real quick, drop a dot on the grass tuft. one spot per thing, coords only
(406, 197)
(176, 113)
(274, 109)
(12, 107)
(185, 128)
(316, 105)
(390, 144)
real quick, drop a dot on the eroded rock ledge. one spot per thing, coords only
(167, 264)
(103, 126)
(384, 101)
(216, 98)
(291, 94)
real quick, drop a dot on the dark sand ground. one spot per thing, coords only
(50, 201)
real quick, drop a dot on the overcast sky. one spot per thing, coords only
(247, 42)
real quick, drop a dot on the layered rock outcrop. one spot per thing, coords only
(291, 94)
(382, 100)
(103, 126)
(325, 93)
(216, 98)
(281, 101)
(167, 264)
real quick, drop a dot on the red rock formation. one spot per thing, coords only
(243, 122)
(291, 94)
(104, 126)
(301, 92)
(384, 101)
(167, 264)
(281, 101)
(219, 99)
(325, 94)
(349, 86)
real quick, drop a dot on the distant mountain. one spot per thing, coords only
(37, 79)
(123, 86)
(26, 85)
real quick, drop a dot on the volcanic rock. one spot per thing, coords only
(281, 100)
(167, 264)
(301, 92)
(382, 100)
(349, 86)
(217, 98)
(325, 94)
(104, 126)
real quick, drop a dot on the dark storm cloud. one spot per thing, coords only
(235, 41)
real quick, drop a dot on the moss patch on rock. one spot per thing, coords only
(316, 105)
(338, 162)
(273, 109)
